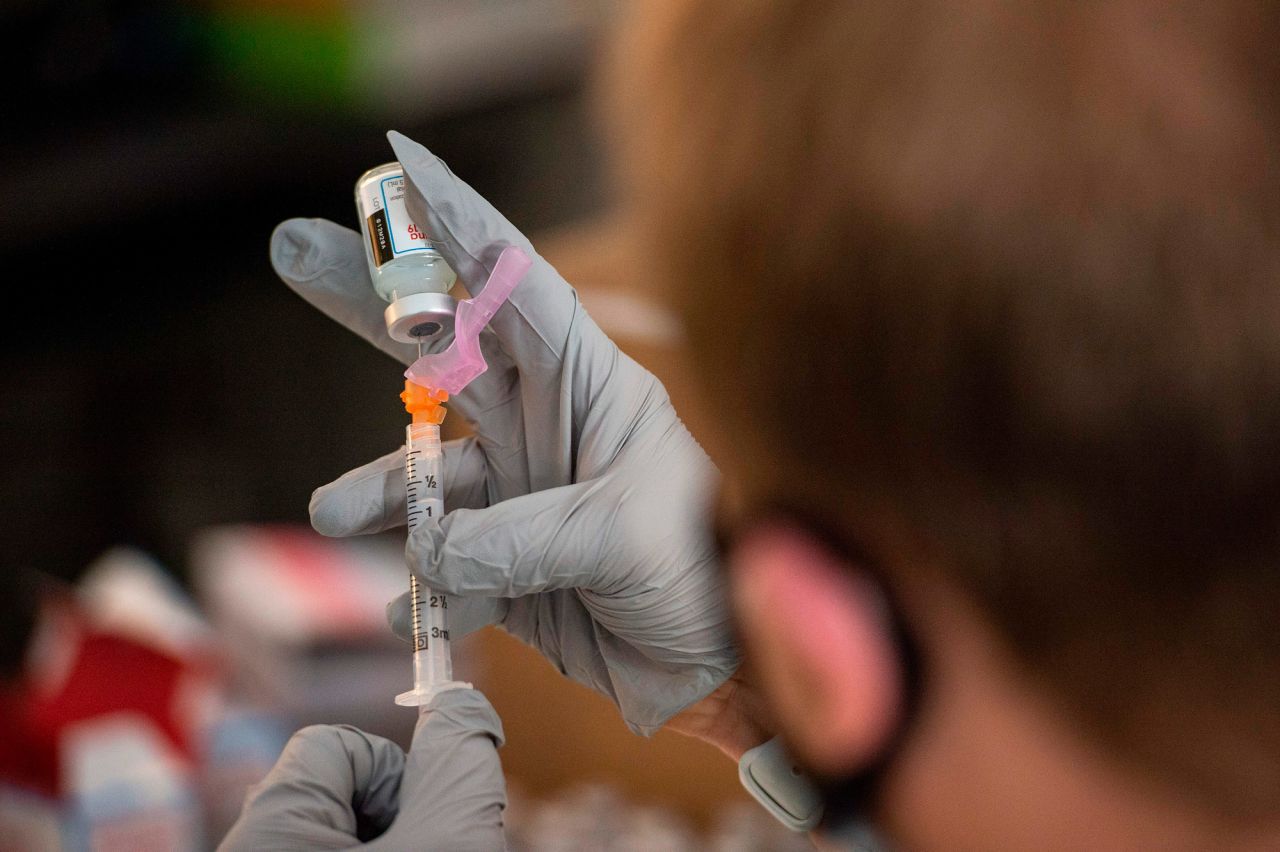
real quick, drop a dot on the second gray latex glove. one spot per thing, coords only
(576, 514)
(336, 786)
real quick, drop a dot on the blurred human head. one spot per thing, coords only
(992, 288)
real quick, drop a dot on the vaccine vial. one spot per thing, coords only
(405, 264)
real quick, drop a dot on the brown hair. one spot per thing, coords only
(1005, 277)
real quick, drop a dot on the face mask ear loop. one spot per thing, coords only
(846, 804)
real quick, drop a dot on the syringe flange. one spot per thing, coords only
(420, 697)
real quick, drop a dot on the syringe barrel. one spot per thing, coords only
(424, 437)
(424, 489)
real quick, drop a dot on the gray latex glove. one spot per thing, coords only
(335, 787)
(576, 514)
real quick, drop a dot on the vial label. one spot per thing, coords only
(391, 232)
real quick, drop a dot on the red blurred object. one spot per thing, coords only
(83, 674)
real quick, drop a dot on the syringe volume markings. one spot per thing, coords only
(424, 484)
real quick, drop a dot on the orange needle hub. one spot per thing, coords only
(424, 403)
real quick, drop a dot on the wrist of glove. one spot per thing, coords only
(337, 787)
(575, 516)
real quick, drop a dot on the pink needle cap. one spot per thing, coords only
(456, 367)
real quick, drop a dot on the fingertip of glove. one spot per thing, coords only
(422, 555)
(295, 255)
(399, 617)
(289, 241)
(304, 249)
(468, 697)
(411, 153)
(470, 708)
(316, 737)
(420, 547)
(326, 518)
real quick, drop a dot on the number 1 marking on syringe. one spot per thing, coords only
(423, 492)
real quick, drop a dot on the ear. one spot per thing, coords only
(819, 637)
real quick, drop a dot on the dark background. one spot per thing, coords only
(157, 377)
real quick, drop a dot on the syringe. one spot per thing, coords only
(424, 490)
(430, 380)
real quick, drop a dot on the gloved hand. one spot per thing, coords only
(335, 787)
(576, 514)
